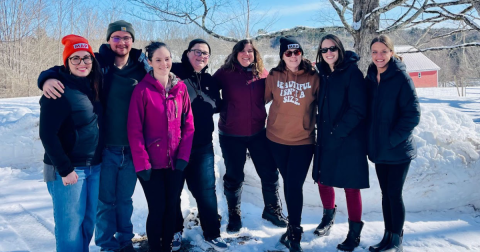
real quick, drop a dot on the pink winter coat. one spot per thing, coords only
(155, 133)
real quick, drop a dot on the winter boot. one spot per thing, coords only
(274, 214)
(291, 239)
(353, 236)
(328, 219)
(395, 244)
(234, 220)
(383, 243)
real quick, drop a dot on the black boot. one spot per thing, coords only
(395, 244)
(383, 243)
(234, 220)
(328, 219)
(274, 214)
(291, 239)
(353, 236)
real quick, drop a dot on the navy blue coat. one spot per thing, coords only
(341, 152)
(394, 111)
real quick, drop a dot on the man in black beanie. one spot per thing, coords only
(123, 67)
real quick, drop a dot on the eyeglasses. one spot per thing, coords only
(76, 60)
(117, 39)
(290, 53)
(199, 53)
(331, 48)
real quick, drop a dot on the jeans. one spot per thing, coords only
(74, 208)
(114, 229)
(234, 150)
(162, 192)
(293, 162)
(200, 177)
(391, 179)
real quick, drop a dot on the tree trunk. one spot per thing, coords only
(368, 30)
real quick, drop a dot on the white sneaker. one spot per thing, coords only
(177, 241)
(218, 244)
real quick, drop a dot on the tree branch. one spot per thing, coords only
(443, 48)
(406, 22)
(341, 15)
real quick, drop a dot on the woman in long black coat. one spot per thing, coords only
(394, 112)
(341, 156)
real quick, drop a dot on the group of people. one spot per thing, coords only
(111, 117)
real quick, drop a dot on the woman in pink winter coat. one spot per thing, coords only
(160, 132)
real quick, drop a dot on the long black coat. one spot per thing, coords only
(341, 155)
(394, 112)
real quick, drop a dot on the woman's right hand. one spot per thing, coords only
(52, 89)
(70, 179)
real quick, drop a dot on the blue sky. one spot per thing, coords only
(293, 13)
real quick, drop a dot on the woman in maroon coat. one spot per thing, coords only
(241, 127)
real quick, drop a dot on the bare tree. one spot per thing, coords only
(368, 18)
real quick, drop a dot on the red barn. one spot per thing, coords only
(423, 71)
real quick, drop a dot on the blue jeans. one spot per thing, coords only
(200, 177)
(74, 208)
(114, 229)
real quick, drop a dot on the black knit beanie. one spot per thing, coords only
(120, 25)
(289, 43)
(198, 41)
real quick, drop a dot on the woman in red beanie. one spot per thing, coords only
(69, 131)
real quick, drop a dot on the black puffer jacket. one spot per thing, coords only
(394, 111)
(205, 98)
(69, 126)
(341, 152)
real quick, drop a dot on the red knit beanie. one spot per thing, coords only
(75, 43)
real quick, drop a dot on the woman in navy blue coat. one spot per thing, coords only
(394, 112)
(341, 153)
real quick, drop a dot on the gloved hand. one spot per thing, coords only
(180, 164)
(145, 174)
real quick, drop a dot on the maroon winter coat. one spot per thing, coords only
(243, 112)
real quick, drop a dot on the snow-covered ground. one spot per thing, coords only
(441, 194)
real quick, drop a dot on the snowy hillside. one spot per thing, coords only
(441, 193)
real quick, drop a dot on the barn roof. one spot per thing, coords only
(417, 61)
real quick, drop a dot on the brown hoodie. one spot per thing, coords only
(291, 119)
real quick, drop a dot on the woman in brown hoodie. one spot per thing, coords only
(292, 87)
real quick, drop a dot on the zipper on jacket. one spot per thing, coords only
(375, 111)
(176, 108)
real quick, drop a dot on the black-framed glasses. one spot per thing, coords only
(199, 53)
(296, 52)
(331, 48)
(76, 60)
(117, 39)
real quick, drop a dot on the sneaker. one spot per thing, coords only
(218, 244)
(177, 241)
(275, 215)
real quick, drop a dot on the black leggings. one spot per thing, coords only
(162, 192)
(293, 162)
(391, 179)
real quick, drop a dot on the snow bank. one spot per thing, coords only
(20, 144)
(445, 174)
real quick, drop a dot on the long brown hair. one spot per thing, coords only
(338, 43)
(384, 39)
(95, 76)
(238, 47)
